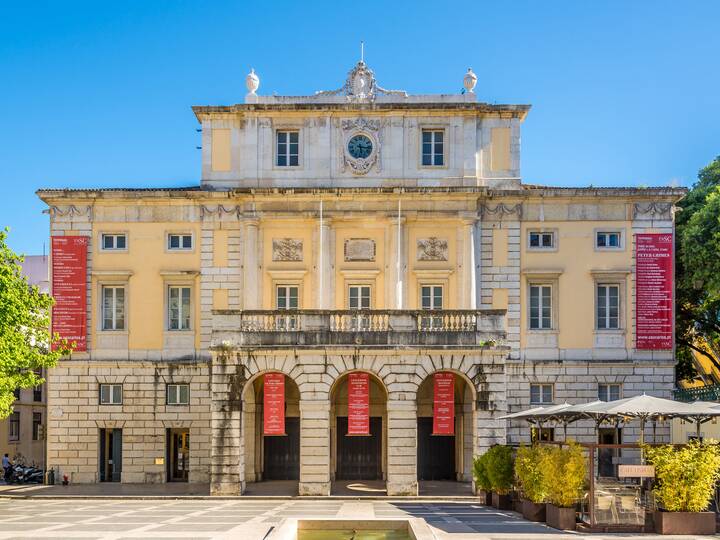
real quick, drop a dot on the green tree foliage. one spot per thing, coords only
(480, 473)
(564, 470)
(529, 474)
(24, 330)
(697, 265)
(499, 467)
(686, 475)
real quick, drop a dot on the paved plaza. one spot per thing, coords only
(250, 519)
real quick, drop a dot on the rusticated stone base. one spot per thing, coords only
(402, 489)
(314, 489)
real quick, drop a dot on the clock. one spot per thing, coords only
(360, 147)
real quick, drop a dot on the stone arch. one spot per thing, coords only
(338, 409)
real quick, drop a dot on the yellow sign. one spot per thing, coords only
(159, 461)
(636, 471)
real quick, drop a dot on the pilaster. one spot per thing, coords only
(314, 448)
(402, 448)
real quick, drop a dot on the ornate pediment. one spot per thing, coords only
(360, 86)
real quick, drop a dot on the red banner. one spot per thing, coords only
(274, 404)
(654, 291)
(444, 404)
(69, 288)
(358, 404)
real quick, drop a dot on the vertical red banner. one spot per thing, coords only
(69, 288)
(444, 404)
(274, 404)
(653, 291)
(358, 404)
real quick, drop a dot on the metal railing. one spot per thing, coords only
(701, 393)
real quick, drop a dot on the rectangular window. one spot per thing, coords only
(37, 394)
(14, 426)
(36, 423)
(288, 148)
(432, 147)
(178, 308)
(431, 298)
(178, 394)
(542, 434)
(608, 240)
(113, 308)
(114, 242)
(16, 393)
(541, 240)
(608, 392)
(540, 307)
(608, 307)
(111, 394)
(179, 242)
(286, 298)
(541, 394)
(359, 297)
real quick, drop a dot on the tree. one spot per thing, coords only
(24, 330)
(697, 265)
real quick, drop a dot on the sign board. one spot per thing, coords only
(358, 404)
(654, 291)
(636, 471)
(159, 461)
(444, 403)
(274, 404)
(69, 288)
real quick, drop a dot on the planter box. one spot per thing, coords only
(485, 497)
(501, 502)
(560, 518)
(685, 522)
(533, 511)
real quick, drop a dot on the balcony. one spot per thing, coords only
(395, 328)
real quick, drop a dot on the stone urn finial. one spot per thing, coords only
(470, 80)
(252, 81)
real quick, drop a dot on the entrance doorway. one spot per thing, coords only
(607, 465)
(272, 462)
(445, 459)
(110, 455)
(358, 457)
(281, 455)
(178, 455)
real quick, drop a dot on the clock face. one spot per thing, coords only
(360, 146)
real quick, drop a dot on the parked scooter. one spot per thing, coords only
(20, 474)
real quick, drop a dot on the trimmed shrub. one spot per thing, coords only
(685, 477)
(499, 467)
(480, 473)
(528, 471)
(564, 472)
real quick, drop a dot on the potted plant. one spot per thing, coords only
(528, 471)
(685, 479)
(499, 466)
(482, 482)
(564, 472)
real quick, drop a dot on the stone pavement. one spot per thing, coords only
(250, 519)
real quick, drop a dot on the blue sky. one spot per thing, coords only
(97, 94)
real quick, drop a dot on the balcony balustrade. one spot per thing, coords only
(255, 328)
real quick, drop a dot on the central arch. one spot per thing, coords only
(358, 464)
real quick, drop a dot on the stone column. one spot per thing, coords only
(314, 447)
(402, 448)
(325, 260)
(251, 258)
(468, 279)
(396, 291)
(227, 467)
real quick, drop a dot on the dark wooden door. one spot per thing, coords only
(435, 453)
(281, 454)
(606, 456)
(359, 457)
(110, 455)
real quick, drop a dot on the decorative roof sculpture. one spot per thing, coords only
(361, 86)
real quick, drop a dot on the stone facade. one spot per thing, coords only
(454, 237)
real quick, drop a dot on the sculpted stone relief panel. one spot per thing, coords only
(432, 249)
(287, 249)
(359, 249)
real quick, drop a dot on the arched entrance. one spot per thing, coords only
(445, 459)
(272, 462)
(358, 463)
